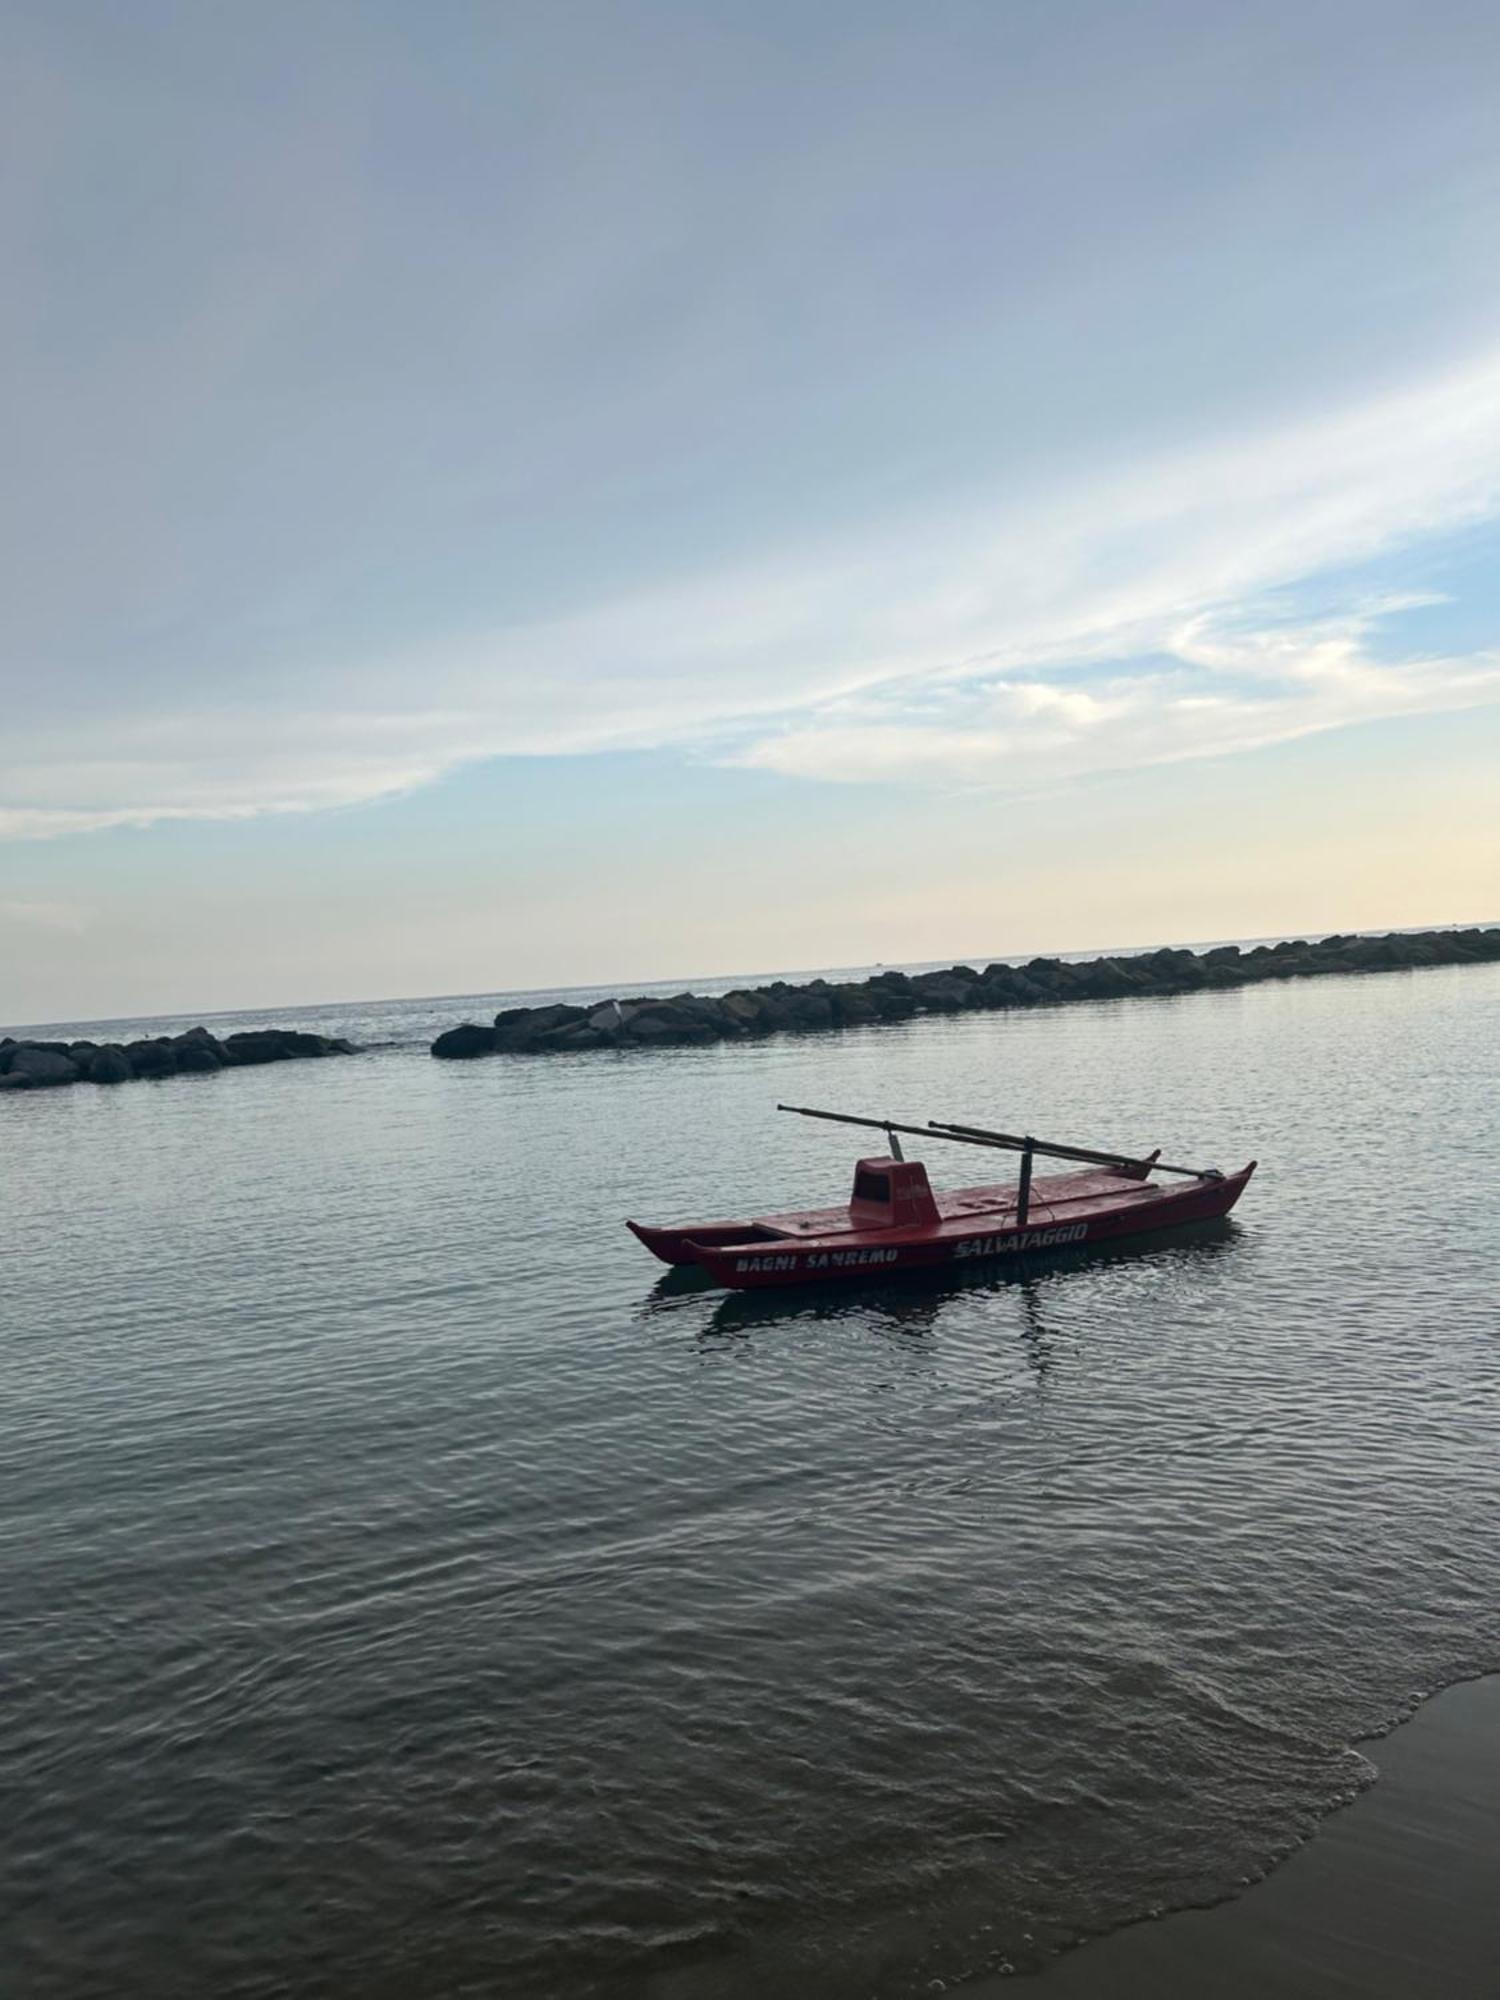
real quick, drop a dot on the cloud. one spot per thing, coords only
(1213, 693)
(1113, 619)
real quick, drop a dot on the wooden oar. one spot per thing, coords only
(979, 1135)
(968, 1135)
(884, 1125)
(1058, 1151)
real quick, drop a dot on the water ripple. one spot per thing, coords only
(406, 1592)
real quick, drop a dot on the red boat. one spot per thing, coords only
(894, 1221)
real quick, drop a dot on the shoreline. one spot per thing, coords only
(821, 1005)
(1392, 1898)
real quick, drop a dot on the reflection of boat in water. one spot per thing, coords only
(894, 1221)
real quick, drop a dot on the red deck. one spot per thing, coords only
(915, 1228)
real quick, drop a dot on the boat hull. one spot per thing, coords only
(759, 1262)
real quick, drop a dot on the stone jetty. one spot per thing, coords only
(689, 1018)
(38, 1065)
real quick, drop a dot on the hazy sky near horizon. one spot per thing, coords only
(505, 495)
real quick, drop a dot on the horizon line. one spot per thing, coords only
(683, 981)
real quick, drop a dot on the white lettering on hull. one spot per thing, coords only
(816, 1260)
(974, 1246)
(1022, 1239)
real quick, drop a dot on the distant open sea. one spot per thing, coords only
(407, 1592)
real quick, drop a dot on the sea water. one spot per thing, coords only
(407, 1589)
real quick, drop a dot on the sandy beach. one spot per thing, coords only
(1393, 1899)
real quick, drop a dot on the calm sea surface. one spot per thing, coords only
(404, 1593)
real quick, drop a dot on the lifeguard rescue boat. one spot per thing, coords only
(894, 1221)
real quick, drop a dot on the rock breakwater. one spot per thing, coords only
(689, 1018)
(31, 1065)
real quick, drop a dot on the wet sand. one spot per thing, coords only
(1397, 1897)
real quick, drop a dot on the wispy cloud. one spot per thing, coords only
(1211, 692)
(1113, 621)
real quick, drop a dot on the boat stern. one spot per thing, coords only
(684, 1244)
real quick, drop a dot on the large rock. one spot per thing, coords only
(668, 1021)
(852, 1006)
(152, 1058)
(1171, 971)
(1053, 978)
(811, 1010)
(200, 1038)
(300, 1044)
(519, 1029)
(685, 1017)
(1107, 979)
(571, 1037)
(198, 1050)
(745, 1007)
(944, 992)
(891, 1003)
(704, 1008)
(539, 1019)
(194, 1057)
(32, 1067)
(263, 1045)
(469, 1039)
(110, 1064)
(790, 1009)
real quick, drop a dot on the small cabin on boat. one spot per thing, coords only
(891, 1194)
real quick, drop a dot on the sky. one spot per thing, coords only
(503, 495)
